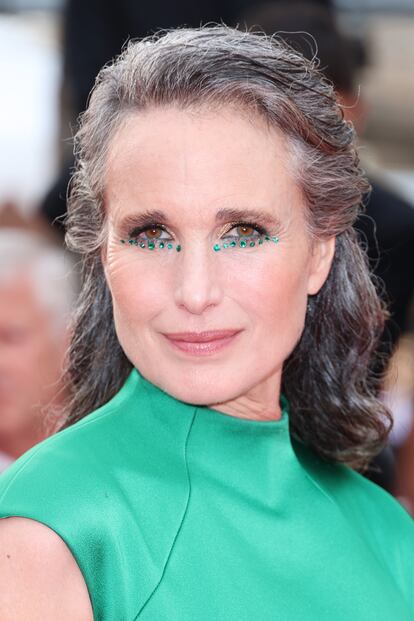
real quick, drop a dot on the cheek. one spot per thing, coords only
(139, 286)
(273, 294)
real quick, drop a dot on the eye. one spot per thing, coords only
(247, 235)
(150, 233)
(245, 230)
(152, 237)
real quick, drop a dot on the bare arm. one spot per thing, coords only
(40, 579)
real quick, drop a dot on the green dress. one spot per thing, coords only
(182, 513)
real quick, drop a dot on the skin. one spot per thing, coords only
(31, 358)
(42, 577)
(190, 165)
(43, 580)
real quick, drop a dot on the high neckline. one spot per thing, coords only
(238, 421)
(213, 415)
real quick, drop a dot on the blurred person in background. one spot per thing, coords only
(37, 291)
(386, 227)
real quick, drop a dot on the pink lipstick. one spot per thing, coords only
(201, 343)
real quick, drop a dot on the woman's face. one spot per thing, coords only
(208, 326)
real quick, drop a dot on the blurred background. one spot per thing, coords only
(50, 53)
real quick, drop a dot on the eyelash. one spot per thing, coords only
(260, 231)
(135, 233)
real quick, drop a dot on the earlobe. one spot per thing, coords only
(321, 261)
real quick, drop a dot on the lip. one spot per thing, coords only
(201, 343)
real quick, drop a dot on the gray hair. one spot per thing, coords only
(48, 268)
(333, 406)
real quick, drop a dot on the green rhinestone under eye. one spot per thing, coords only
(248, 242)
(178, 248)
(161, 244)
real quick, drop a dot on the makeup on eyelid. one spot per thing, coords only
(250, 235)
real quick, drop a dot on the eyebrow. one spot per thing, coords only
(239, 215)
(142, 219)
(223, 215)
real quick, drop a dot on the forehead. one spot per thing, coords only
(195, 162)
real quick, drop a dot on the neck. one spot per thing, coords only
(261, 403)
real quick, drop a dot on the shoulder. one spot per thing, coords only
(48, 500)
(370, 511)
(34, 563)
(60, 457)
(69, 455)
(60, 479)
(360, 499)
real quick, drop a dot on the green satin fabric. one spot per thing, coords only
(181, 513)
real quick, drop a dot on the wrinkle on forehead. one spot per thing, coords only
(173, 159)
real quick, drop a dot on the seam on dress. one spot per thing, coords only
(181, 521)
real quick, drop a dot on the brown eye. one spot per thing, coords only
(153, 233)
(245, 231)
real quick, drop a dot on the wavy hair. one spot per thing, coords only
(334, 409)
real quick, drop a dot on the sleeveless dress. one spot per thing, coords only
(181, 513)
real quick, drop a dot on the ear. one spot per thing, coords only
(323, 251)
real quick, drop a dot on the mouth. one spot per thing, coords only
(201, 343)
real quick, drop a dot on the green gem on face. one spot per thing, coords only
(151, 244)
(242, 243)
(247, 242)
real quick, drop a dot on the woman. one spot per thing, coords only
(226, 326)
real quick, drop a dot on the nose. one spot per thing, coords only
(197, 285)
